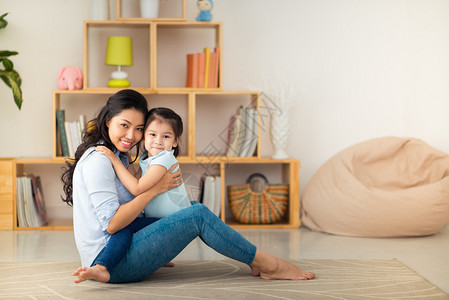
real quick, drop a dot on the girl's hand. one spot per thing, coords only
(105, 151)
(169, 180)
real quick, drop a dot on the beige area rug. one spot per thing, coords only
(224, 279)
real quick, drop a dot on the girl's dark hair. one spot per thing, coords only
(167, 115)
(97, 131)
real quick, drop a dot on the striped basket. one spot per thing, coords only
(265, 206)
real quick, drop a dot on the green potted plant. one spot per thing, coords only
(7, 72)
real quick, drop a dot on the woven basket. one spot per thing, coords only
(266, 206)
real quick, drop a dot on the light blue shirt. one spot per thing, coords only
(97, 194)
(171, 201)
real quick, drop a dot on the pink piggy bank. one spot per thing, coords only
(70, 78)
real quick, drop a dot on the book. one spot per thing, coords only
(69, 139)
(255, 136)
(216, 67)
(247, 128)
(205, 191)
(206, 66)
(60, 119)
(192, 71)
(75, 135)
(82, 124)
(201, 66)
(217, 196)
(211, 193)
(39, 198)
(21, 221)
(28, 202)
(236, 134)
(250, 140)
(212, 66)
(73, 132)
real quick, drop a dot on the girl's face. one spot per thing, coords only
(126, 129)
(159, 136)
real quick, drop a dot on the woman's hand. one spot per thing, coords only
(169, 180)
(127, 212)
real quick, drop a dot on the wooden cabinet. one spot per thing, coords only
(160, 75)
(7, 176)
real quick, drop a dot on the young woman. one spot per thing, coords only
(102, 206)
(163, 129)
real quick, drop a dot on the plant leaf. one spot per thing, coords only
(17, 92)
(6, 80)
(11, 75)
(3, 22)
(6, 53)
(8, 64)
(13, 80)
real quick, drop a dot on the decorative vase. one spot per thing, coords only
(280, 133)
(99, 10)
(149, 9)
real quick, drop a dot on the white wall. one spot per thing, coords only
(366, 68)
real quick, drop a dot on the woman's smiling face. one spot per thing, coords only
(126, 129)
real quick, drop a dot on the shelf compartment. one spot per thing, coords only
(49, 170)
(75, 104)
(286, 172)
(211, 140)
(96, 33)
(169, 11)
(173, 41)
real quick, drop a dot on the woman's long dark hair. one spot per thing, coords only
(97, 131)
(169, 116)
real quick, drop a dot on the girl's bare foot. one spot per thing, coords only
(169, 265)
(272, 267)
(254, 271)
(97, 272)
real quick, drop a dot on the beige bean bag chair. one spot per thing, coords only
(385, 187)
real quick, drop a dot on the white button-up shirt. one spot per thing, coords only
(97, 194)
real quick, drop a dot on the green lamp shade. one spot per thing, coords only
(119, 51)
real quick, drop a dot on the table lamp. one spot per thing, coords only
(119, 53)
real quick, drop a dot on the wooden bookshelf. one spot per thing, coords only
(205, 112)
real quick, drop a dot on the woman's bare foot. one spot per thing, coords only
(97, 272)
(272, 267)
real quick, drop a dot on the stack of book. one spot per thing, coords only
(242, 133)
(69, 133)
(203, 69)
(211, 193)
(30, 202)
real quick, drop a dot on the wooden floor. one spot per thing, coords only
(428, 256)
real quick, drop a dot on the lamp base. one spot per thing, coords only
(118, 83)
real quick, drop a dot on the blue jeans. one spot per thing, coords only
(119, 243)
(161, 241)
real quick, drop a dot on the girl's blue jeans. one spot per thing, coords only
(163, 239)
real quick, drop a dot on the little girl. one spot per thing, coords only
(162, 131)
